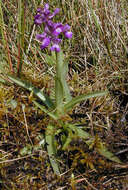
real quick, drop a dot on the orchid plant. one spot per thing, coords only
(59, 108)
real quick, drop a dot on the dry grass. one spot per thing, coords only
(98, 60)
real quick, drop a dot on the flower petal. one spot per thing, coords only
(57, 10)
(39, 10)
(38, 20)
(41, 37)
(57, 31)
(68, 34)
(46, 9)
(66, 27)
(56, 40)
(45, 43)
(55, 47)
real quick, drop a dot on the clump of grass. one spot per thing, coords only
(98, 60)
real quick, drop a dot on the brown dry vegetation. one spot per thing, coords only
(98, 60)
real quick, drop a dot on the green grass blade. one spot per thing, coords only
(50, 141)
(45, 99)
(95, 17)
(76, 100)
(2, 25)
(4, 38)
(21, 34)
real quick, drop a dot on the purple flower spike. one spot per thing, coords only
(52, 30)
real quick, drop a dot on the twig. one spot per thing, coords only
(15, 159)
(26, 125)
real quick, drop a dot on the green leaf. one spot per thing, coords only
(44, 98)
(68, 139)
(78, 99)
(51, 148)
(79, 132)
(45, 110)
(107, 154)
(101, 149)
(74, 132)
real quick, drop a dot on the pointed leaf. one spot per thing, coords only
(101, 149)
(49, 136)
(45, 110)
(76, 100)
(45, 99)
(68, 139)
(107, 154)
(79, 132)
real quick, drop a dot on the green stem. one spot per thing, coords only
(58, 84)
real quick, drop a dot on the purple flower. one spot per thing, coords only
(38, 19)
(52, 30)
(55, 47)
(41, 37)
(68, 34)
(46, 41)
